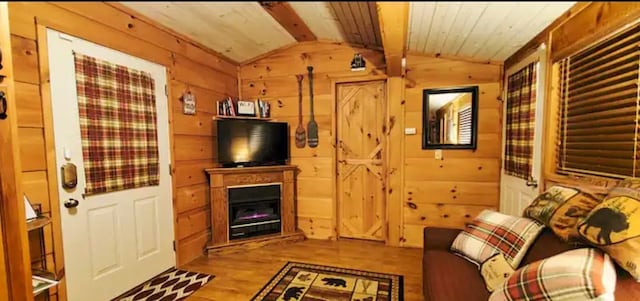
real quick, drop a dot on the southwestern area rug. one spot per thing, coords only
(309, 282)
(172, 285)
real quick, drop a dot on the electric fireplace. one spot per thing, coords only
(254, 210)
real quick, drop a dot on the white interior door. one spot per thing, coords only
(517, 193)
(112, 241)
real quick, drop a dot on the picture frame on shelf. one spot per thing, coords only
(246, 108)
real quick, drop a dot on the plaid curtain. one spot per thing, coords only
(521, 103)
(117, 109)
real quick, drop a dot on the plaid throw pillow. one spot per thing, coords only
(581, 274)
(492, 232)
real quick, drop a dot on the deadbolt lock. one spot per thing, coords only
(69, 176)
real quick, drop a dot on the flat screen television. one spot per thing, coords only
(252, 143)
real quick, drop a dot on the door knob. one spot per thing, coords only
(71, 203)
(531, 182)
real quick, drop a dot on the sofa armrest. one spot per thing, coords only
(439, 238)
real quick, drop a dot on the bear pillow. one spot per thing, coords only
(614, 226)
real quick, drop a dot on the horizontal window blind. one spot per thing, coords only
(598, 131)
(464, 126)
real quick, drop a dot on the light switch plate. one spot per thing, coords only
(410, 131)
(438, 153)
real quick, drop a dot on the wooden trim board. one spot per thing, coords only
(249, 243)
(12, 210)
(52, 177)
(286, 16)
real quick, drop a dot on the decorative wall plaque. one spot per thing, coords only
(188, 103)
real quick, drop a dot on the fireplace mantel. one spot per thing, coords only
(221, 179)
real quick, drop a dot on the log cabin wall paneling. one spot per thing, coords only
(190, 67)
(444, 193)
(452, 191)
(272, 78)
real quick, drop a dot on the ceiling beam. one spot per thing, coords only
(284, 14)
(394, 22)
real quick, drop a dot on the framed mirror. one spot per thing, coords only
(450, 118)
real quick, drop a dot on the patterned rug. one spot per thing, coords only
(172, 285)
(310, 282)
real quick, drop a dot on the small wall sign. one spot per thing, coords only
(358, 63)
(188, 103)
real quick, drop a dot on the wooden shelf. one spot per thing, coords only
(251, 169)
(240, 117)
(44, 274)
(38, 223)
(50, 277)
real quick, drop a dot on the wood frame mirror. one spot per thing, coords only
(450, 118)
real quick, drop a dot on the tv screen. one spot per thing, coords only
(252, 142)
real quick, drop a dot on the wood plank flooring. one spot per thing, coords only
(240, 275)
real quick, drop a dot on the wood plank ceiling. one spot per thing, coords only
(238, 30)
(478, 30)
(244, 30)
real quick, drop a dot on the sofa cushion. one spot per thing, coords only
(443, 275)
(561, 208)
(492, 232)
(581, 274)
(614, 226)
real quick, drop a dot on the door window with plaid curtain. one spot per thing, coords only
(520, 122)
(117, 109)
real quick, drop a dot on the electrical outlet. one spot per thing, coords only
(410, 131)
(438, 153)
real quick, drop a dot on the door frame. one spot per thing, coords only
(15, 283)
(540, 55)
(50, 154)
(334, 142)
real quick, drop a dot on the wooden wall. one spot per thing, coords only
(201, 71)
(464, 183)
(273, 78)
(454, 190)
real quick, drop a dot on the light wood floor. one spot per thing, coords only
(239, 276)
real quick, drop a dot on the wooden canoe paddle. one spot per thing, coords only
(312, 126)
(301, 134)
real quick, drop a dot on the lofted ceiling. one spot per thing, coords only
(478, 30)
(244, 30)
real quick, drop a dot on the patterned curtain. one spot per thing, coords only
(117, 109)
(521, 103)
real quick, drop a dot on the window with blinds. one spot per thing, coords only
(598, 129)
(464, 126)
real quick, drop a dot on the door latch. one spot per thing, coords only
(531, 182)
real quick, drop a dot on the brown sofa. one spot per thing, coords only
(448, 277)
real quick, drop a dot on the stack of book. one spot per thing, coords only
(227, 107)
(263, 108)
(253, 108)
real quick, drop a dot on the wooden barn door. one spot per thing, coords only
(361, 126)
